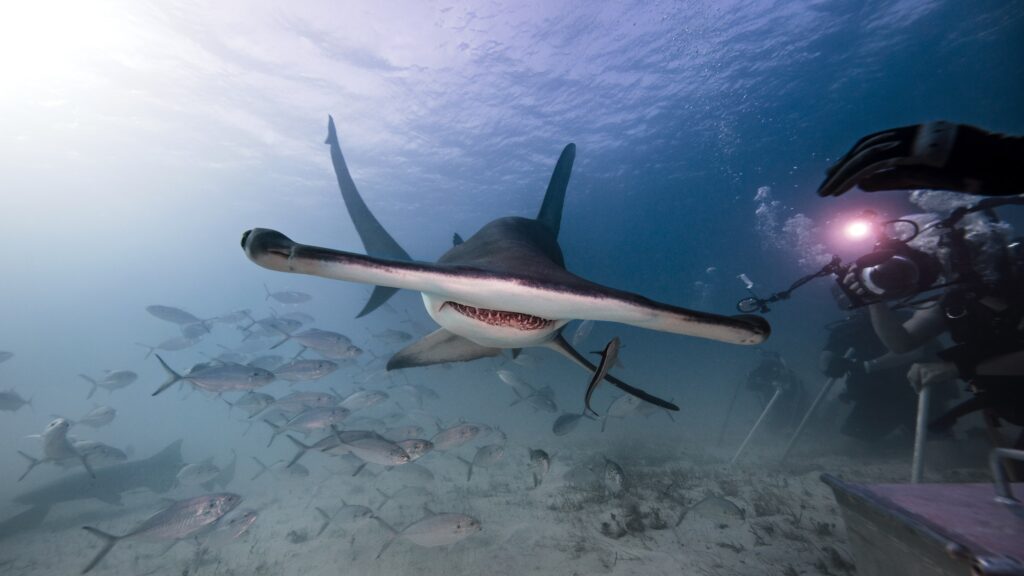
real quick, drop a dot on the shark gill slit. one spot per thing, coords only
(502, 318)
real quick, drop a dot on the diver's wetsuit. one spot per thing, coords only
(883, 401)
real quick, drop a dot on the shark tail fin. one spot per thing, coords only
(551, 210)
(375, 238)
(108, 542)
(172, 376)
(32, 463)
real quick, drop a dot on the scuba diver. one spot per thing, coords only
(875, 378)
(934, 155)
(770, 375)
(983, 307)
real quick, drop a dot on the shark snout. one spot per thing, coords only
(268, 248)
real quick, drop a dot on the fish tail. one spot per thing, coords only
(303, 448)
(94, 383)
(391, 540)
(287, 337)
(267, 290)
(172, 376)
(359, 469)
(263, 468)
(327, 521)
(469, 465)
(387, 498)
(108, 542)
(277, 430)
(149, 349)
(32, 463)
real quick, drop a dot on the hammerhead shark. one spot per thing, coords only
(505, 287)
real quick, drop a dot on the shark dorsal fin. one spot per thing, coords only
(376, 240)
(551, 210)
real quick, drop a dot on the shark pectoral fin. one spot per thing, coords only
(439, 347)
(558, 344)
(380, 295)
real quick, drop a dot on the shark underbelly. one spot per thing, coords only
(491, 327)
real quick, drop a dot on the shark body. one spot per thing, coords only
(505, 287)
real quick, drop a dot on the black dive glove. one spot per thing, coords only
(936, 155)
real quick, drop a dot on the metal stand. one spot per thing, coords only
(778, 392)
(920, 434)
(810, 411)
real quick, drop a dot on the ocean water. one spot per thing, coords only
(140, 140)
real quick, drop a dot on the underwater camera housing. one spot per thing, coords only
(891, 271)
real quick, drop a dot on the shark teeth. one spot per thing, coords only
(501, 318)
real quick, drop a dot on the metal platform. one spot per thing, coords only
(935, 529)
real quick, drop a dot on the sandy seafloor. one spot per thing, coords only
(792, 524)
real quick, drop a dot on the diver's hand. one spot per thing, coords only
(903, 158)
(852, 283)
(925, 374)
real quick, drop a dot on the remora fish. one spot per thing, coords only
(434, 530)
(217, 377)
(179, 521)
(608, 358)
(504, 287)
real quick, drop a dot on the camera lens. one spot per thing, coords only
(895, 276)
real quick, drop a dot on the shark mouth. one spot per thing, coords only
(501, 318)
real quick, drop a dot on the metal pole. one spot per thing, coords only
(807, 416)
(778, 391)
(920, 434)
(728, 414)
(810, 411)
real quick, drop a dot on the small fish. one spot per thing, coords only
(608, 358)
(316, 339)
(218, 377)
(200, 473)
(539, 400)
(416, 448)
(485, 456)
(179, 521)
(305, 370)
(415, 494)
(614, 478)
(434, 530)
(714, 508)
(173, 315)
(374, 449)
(455, 436)
(404, 432)
(565, 423)
(170, 345)
(300, 317)
(582, 331)
(362, 399)
(519, 386)
(287, 296)
(236, 317)
(540, 463)
(111, 380)
(348, 514)
(280, 469)
(96, 453)
(391, 336)
(310, 420)
(267, 362)
(98, 416)
(11, 401)
(252, 402)
(232, 527)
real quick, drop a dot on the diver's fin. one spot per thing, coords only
(439, 347)
(551, 210)
(375, 238)
(558, 344)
